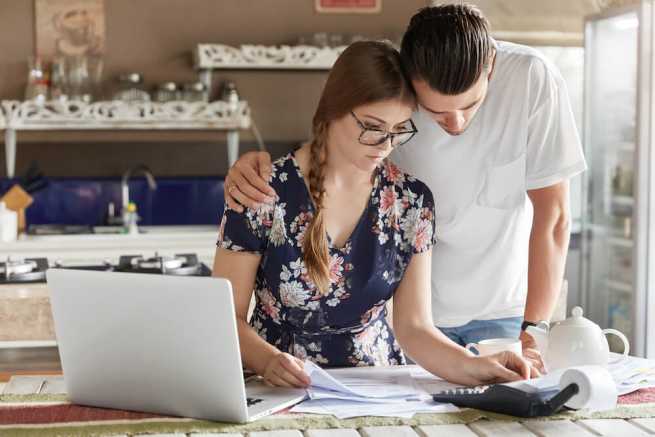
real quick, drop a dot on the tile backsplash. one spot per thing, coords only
(84, 201)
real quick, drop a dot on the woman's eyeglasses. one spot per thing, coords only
(371, 136)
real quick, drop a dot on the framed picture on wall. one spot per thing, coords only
(349, 6)
(69, 27)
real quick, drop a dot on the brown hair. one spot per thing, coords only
(366, 72)
(448, 46)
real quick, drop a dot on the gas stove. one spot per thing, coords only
(32, 270)
(178, 265)
(28, 270)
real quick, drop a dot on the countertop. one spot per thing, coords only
(167, 240)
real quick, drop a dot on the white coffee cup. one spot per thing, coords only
(493, 345)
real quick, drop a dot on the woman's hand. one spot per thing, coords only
(500, 367)
(285, 370)
(246, 183)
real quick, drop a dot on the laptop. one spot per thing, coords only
(156, 343)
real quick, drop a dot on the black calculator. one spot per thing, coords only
(504, 399)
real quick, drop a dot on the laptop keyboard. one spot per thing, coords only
(253, 401)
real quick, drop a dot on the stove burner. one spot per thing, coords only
(32, 270)
(157, 262)
(23, 270)
(180, 265)
(104, 266)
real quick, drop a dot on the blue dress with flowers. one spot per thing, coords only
(347, 326)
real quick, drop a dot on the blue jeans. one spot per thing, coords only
(477, 330)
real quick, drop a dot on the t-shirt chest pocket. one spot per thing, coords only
(504, 185)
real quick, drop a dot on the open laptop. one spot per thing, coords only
(156, 343)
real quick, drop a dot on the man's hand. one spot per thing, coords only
(531, 353)
(246, 183)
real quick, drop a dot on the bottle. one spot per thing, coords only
(131, 220)
(8, 224)
(616, 180)
(231, 96)
(37, 81)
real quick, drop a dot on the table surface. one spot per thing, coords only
(547, 428)
(554, 428)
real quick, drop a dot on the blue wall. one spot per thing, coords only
(177, 201)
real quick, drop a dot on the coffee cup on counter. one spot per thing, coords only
(494, 345)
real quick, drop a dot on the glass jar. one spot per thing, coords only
(131, 89)
(167, 92)
(58, 84)
(195, 92)
(78, 80)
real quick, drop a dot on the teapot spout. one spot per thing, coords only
(540, 335)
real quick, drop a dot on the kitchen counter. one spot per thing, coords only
(167, 240)
(25, 313)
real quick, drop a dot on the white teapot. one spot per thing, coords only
(576, 341)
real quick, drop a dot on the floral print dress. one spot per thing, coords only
(347, 326)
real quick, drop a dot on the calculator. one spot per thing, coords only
(504, 399)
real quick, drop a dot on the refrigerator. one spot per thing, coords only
(618, 211)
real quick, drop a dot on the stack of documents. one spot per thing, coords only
(402, 391)
(366, 391)
(632, 373)
(629, 374)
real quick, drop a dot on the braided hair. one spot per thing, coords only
(366, 72)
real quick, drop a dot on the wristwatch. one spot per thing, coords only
(527, 323)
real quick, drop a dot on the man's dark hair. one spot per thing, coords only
(448, 46)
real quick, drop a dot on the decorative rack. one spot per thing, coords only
(301, 57)
(18, 116)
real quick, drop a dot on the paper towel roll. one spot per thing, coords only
(597, 389)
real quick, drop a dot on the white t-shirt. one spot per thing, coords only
(522, 138)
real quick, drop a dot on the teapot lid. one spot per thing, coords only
(576, 319)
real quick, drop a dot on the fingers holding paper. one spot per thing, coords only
(285, 370)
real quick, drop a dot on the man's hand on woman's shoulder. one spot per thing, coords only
(246, 183)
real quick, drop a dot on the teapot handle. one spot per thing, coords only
(624, 339)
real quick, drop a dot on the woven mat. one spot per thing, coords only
(38, 415)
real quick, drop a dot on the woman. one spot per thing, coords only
(347, 231)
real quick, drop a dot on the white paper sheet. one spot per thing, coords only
(367, 391)
(633, 374)
(628, 373)
(373, 382)
(428, 383)
(343, 409)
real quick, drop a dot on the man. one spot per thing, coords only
(497, 145)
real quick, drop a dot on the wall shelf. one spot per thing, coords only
(300, 57)
(619, 286)
(623, 200)
(110, 115)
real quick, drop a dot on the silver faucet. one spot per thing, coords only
(125, 188)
